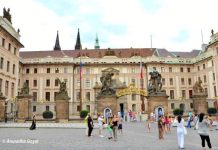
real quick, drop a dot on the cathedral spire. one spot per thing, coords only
(97, 42)
(78, 45)
(57, 45)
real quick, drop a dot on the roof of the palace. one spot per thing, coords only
(99, 53)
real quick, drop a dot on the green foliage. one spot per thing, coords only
(47, 114)
(83, 113)
(178, 111)
(211, 111)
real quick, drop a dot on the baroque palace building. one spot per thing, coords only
(40, 70)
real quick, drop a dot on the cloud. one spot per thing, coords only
(174, 25)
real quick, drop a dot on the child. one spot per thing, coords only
(120, 126)
(109, 129)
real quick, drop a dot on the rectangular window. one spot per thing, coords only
(56, 82)
(8, 66)
(78, 96)
(9, 46)
(65, 70)
(0, 84)
(154, 68)
(163, 81)
(170, 69)
(2, 63)
(34, 108)
(47, 108)
(171, 81)
(189, 81)
(171, 94)
(188, 70)
(27, 71)
(56, 70)
(198, 68)
(15, 51)
(182, 81)
(13, 69)
(6, 87)
(88, 96)
(3, 42)
(133, 81)
(172, 106)
(133, 107)
(162, 69)
(181, 69)
(12, 89)
(190, 93)
(47, 96)
(203, 66)
(87, 83)
(199, 78)
(55, 94)
(87, 70)
(214, 77)
(215, 94)
(183, 94)
(35, 70)
(78, 108)
(34, 96)
(35, 83)
(205, 90)
(27, 82)
(88, 108)
(48, 82)
(191, 105)
(48, 70)
(133, 97)
(205, 79)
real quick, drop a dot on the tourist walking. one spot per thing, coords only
(203, 130)
(90, 125)
(86, 123)
(100, 125)
(33, 126)
(160, 128)
(148, 124)
(120, 125)
(114, 123)
(180, 132)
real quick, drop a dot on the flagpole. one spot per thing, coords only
(80, 78)
(142, 84)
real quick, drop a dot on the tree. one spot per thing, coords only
(178, 112)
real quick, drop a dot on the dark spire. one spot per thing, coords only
(97, 42)
(57, 45)
(78, 45)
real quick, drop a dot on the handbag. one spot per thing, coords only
(185, 130)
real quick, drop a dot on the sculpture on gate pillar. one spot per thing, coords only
(155, 84)
(197, 87)
(24, 90)
(106, 81)
(62, 94)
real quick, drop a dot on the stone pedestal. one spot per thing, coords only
(62, 110)
(24, 108)
(199, 103)
(107, 102)
(155, 101)
(2, 108)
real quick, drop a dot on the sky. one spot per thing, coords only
(176, 25)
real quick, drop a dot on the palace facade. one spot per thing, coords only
(40, 70)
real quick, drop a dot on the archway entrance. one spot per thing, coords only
(107, 113)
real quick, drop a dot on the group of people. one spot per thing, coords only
(202, 124)
(112, 125)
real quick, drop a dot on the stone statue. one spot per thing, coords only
(197, 87)
(6, 14)
(212, 32)
(1, 94)
(155, 83)
(62, 94)
(24, 89)
(106, 81)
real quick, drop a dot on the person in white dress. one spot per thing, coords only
(180, 132)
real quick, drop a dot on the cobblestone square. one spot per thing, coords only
(134, 137)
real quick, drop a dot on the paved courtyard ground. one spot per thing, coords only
(134, 137)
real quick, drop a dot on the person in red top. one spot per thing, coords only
(166, 124)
